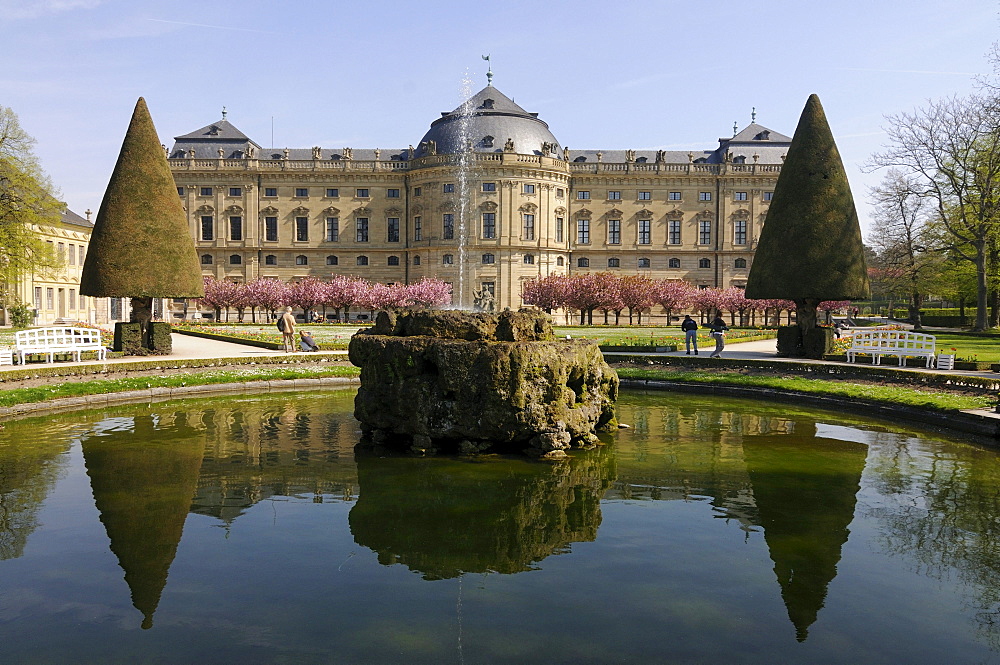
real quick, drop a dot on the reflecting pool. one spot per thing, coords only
(248, 530)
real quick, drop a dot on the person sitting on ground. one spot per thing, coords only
(690, 328)
(306, 341)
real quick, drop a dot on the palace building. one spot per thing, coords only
(487, 199)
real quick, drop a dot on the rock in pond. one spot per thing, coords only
(477, 382)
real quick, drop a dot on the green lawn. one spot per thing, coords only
(653, 335)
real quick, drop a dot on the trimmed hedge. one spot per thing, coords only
(158, 337)
(128, 338)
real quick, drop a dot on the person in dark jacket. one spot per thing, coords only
(690, 328)
(718, 328)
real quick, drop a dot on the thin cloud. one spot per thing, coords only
(902, 71)
(22, 9)
(211, 27)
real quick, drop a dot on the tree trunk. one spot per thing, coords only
(805, 313)
(142, 313)
(981, 291)
(915, 302)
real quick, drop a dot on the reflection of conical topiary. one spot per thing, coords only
(143, 484)
(805, 489)
(810, 248)
(141, 246)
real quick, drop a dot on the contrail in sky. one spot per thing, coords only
(213, 27)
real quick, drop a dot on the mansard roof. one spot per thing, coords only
(223, 130)
(70, 217)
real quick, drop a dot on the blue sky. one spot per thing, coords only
(641, 74)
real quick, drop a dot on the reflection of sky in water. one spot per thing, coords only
(713, 531)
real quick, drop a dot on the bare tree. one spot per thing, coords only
(950, 152)
(902, 239)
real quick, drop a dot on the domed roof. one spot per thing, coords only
(487, 120)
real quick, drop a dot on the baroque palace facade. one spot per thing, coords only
(487, 199)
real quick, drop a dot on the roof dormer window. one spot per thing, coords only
(487, 104)
(214, 130)
(764, 136)
(581, 158)
(487, 141)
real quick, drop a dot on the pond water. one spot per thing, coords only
(714, 531)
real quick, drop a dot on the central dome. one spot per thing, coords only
(487, 121)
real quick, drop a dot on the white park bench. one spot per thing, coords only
(899, 343)
(50, 341)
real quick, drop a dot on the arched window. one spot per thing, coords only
(740, 263)
(488, 259)
(529, 259)
(560, 261)
(448, 259)
(301, 260)
(614, 263)
(393, 261)
(644, 263)
(704, 263)
(235, 260)
(416, 260)
(332, 260)
(583, 263)
(674, 263)
(362, 260)
(206, 259)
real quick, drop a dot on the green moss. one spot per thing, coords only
(810, 245)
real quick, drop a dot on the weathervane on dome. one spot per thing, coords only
(489, 70)
(223, 112)
(753, 114)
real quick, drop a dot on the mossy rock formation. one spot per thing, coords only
(483, 382)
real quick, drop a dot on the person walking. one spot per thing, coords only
(287, 328)
(719, 328)
(690, 328)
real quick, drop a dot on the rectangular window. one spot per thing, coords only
(489, 187)
(61, 251)
(83, 301)
(80, 253)
(583, 231)
(705, 232)
(528, 189)
(302, 192)
(614, 231)
(645, 196)
(236, 228)
(583, 196)
(38, 297)
(206, 191)
(361, 193)
(560, 192)
(448, 188)
(361, 225)
(559, 229)
(271, 229)
(614, 196)
(644, 231)
(674, 232)
(740, 232)
(418, 231)
(180, 191)
(392, 225)
(333, 229)
(768, 196)
(673, 196)
(207, 228)
(332, 192)
(740, 196)
(302, 229)
(50, 299)
(489, 225)
(72, 298)
(72, 255)
(529, 227)
(417, 191)
(392, 193)
(448, 226)
(236, 191)
(270, 191)
(704, 196)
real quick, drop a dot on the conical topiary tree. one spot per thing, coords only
(810, 248)
(141, 247)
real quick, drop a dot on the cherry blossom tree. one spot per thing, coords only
(269, 294)
(219, 295)
(673, 295)
(307, 294)
(585, 294)
(638, 293)
(548, 293)
(610, 295)
(429, 293)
